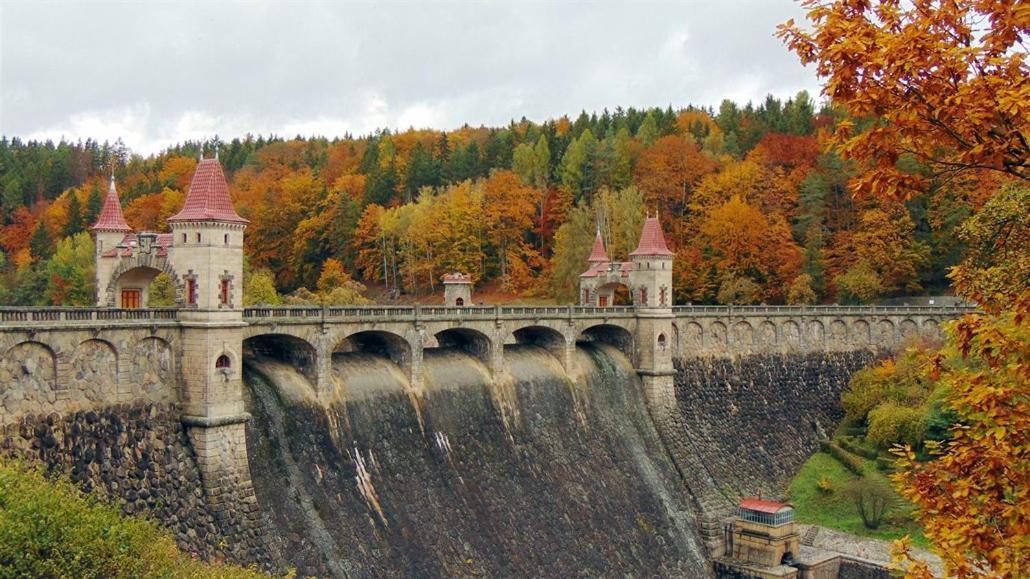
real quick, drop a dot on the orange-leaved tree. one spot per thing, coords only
(944, 82)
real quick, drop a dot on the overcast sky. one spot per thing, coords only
(155, 73)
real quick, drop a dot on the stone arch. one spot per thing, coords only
(147, 266)
(472, 342)
(292, 350)
(548, 338)
(860, 332)
(767, 333)
(816, 333)
(613, 335)
(886, 331)
(28, 378)
(694, 336)
(380, 343)
(743, 334)
(908, 329)
(153, 370)
(676, 347)
(838, 333)
(94, 372)
(932, 330)
(613, 291)
(717, 335)
(791, 332)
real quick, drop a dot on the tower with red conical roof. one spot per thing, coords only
(207, 253)
(207, 243)
(110, 230)
(651, 277)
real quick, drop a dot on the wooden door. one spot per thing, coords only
(132, 298)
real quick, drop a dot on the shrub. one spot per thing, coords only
(891, 424)
(855, 447)
(161, 293)
(873, 499)
(850, 461)
(825, 485)
(48, 528)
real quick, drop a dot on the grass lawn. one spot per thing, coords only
(836, 511)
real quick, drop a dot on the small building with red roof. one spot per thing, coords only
(457, 289)
(203, 254)
(646, 277)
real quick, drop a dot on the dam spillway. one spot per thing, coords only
(534, 473)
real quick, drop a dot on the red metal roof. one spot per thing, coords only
(208, 197)
(598, 254)
(111, 218)
(652, 240)
(763, 506)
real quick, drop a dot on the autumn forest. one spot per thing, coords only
(754, 203)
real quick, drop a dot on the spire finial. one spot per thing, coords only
(110, 186)
(216, 152)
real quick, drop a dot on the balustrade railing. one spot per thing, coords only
(55, 315)
(79, 315)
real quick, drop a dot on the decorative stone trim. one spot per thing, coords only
(226, 277)
(213, 421)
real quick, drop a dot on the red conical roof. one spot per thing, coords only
(208, 197)
(652, 240)
(598, 254)
(111, 218)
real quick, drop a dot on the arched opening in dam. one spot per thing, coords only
(472, 342)
(547, 338)
(612, 335)
(285, 349)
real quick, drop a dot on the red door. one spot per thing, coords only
(132, 298)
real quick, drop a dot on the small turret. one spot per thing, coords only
(110, 229)
(457, 289)
(598, 253)
(651, 280)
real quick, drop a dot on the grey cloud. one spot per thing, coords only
(158, 72)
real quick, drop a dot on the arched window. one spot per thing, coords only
(459, 302)
(643, 296)
(661, 342)
(223, 362)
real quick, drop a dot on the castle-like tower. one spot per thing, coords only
(203, 255)
(647, 275)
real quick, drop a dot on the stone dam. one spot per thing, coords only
(436, 441)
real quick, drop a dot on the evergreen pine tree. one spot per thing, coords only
(41, 246)
(93, 206)
(74, 224)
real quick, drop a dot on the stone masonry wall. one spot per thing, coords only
(748, 423)
(139, 457)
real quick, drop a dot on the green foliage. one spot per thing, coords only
(161, 293)
(74, 224)
(852, 446)
(837, 510)
(845, 458)
(48, 528)
(800, 291)
(859, 284)
(891, 424)
(738, 290)
(72, 272)
(41, 246)
(897, 381)
(259, 289)
(873, 500)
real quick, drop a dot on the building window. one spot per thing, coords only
(459, 302)
(643, 296)
(132, 298)
(223, 362)
(184, 238)
(586, 297)
(661, 342)
(225, 292)
(191, 292)
(198, 237)
(227, 239)
(661, 296)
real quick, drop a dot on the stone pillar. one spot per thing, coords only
(211, 359)
(325, 384)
